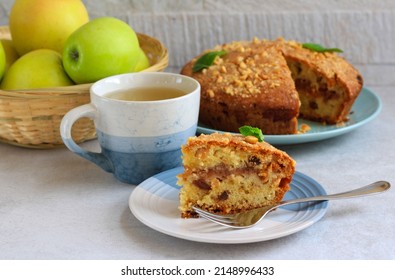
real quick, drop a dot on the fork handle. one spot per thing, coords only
(373, 188)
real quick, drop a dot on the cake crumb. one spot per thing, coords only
(304, 128)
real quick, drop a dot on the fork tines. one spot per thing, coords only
(221, 219)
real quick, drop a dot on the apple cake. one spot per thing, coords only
(269, 84)
(230, 173)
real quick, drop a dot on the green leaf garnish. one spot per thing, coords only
(206, 60)
(319, 48)
(251, 131)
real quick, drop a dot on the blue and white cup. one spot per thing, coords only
(137, 138)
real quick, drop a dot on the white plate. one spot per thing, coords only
(365, 108)
(154, 202)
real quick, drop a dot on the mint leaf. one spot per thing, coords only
(251, 131)
(319, 48)
(206, 60)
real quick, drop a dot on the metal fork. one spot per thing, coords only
(251, 217)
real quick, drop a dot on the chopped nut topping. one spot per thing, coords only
(229, 90)
(251, 139)
(243, 77)
(210, 93)
(218, 60)
(238, 83)
(250, 68)
(255, 40)
(242, 65)
(250, 62)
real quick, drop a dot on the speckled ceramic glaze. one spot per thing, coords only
(138, 138)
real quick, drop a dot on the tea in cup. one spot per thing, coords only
(141, 121)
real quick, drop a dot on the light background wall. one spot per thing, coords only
(364, 29)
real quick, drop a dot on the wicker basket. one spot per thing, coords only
(31, 118)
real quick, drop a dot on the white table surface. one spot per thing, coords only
(56, 205)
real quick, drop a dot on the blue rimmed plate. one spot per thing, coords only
(365, 108)
(154, 202)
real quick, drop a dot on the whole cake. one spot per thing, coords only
(229, 173)
(269, 84)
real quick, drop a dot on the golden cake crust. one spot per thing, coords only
(226, 173)
(251, 85)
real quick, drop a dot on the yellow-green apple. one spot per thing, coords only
(45, 24)
(103, 47)
(36, 69)
(10, 53)
(2, 61)
(142, 62)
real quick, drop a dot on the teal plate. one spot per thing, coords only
(366, 108)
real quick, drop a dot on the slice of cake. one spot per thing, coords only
(227, 173)
(327, 84)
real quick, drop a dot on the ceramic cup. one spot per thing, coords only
(137, 138)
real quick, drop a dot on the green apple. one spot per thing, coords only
(10, 53)
(103, 47)
(2, 61)
(45, 24)
(142, 62)
(36, 69)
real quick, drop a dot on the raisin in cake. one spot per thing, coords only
(269, 84)
(225, 173)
